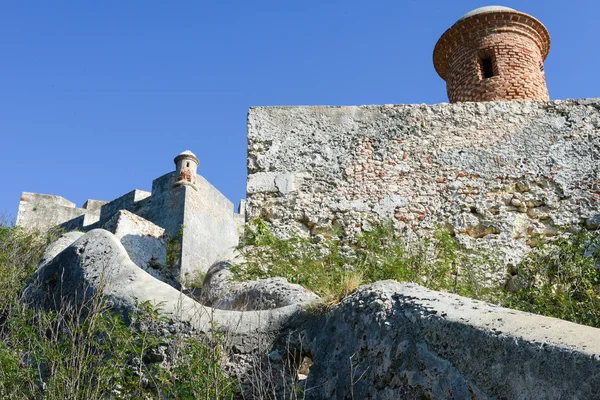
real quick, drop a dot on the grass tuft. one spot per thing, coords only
(558, 279)
(89, 352)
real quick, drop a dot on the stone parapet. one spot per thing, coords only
(44, 211)
(192, 224)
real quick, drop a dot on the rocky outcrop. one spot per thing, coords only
(392, 340)
(388, 340)
(222, 292)
(97, 264)
(145, 243)
(58, 246)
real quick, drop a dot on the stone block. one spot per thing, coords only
(145, 242)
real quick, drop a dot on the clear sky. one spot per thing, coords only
(98, 97)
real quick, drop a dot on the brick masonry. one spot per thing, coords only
(516, 45)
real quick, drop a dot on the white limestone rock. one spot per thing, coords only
(145, 242)
(220, 291)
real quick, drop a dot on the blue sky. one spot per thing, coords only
(98, 97)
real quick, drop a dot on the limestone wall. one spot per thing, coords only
(504, 173)
(210, 227)
(210, 230)
(130, 201)
(45, 211)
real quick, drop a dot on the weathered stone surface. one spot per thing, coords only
(500, 175)
(221, 291)
(180, 199)
(394, 340)
(388, 340)
(199, 217)
(210, 231)
(58, 246)
(43, 212)
(145, 243)
(97, 264)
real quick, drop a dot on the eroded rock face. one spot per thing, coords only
(58, 246)
(221, 291)
(392, 340)
(388, 340)
(97, 264)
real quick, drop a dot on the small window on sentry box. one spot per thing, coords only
(486, 65)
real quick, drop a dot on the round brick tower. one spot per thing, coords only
(493, 54)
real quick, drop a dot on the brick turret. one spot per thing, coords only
(494, 54)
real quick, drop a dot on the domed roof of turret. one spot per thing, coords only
(187, 154)
(483, 10)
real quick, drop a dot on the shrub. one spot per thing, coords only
(335, 267)
(89, 352)
(20, 252)
(561, 280)
(558, 279)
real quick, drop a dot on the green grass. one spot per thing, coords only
(558, 279)
(561, 280)
(335, 267)
(90, 352)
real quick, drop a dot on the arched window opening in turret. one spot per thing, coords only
(486, 66)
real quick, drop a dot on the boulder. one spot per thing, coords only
(57, 246)
(392, 340)
(97, 265)
(220, 291)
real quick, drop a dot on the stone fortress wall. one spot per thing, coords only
(499, 174)
(183, 212)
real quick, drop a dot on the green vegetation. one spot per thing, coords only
(174, 249)
(194, 280)
(558, 279)
(89, 352)
(335, 267)
(561, 280)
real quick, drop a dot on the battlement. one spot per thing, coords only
(198, 221)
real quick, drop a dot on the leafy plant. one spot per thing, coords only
(194, 280)
(561, 280)
(174, 249)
